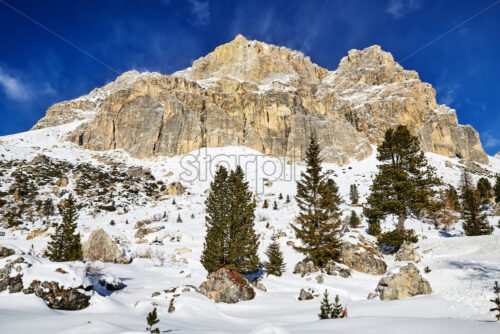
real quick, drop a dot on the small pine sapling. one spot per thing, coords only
(152, 319)
(496, 301)
(275, 265)
(326, 307)
(287, 199)
(265, 205)
(173, 202)
(275, 206)
(354, 220)
(338, 311)
(179, 219)
(280, 197)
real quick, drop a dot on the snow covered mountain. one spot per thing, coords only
(140, 152)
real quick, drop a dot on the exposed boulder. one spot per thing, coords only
(70, 299)
(111, 283)
(99, 246)
(7, 281)
(227, 286)
(408, 253)
(305, 295)
(305, 267)
(175, 188)
(361, 257)
(403, 284)
(4, 252)
(257, 283)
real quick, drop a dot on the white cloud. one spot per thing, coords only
(13, 87)
(201, 11)
(447, 93)
(490, 141)
(401, 8)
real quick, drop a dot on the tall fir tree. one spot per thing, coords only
(151, 320)
(475, 222)
(496, 301)
(496, 189)
(326, 308)
(405, 181)
(354, 194)
(231, 239)
(318, 223)
(274, 265)
(65, 245)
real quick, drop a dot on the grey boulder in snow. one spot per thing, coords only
(227, 286)
(99, 246)
(403, 284)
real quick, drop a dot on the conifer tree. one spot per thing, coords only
(152, 319)
(338, 311)
(475, 222)
(179, 219)
(280, 197)
(374, 226)
(231, 239)
(274, 265)
(496, 189)
(65, 245)
(275, 206)
(484, 187)
(265, 205)
(354, 220)
(326, 307)
(354, 194)
(48, 207)
(405, 182)
(496, 301)
(318, 223)
(287, 199)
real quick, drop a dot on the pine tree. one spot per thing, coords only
(484, 187)
(231, 239)
(265, 205)
(405, 182)
(152, 319)
(65, 245)
(354, 220)
(173, 202)
(287, 199)
(275, 206)
(280, 197)
(275, 264)
(48, 207)
(475, 222)
(179, 219)
(496, 301)
(354, 194)
(318, 223)
(338, 311)
(326, 307)
(496, 190)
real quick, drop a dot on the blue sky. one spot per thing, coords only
(38, 69)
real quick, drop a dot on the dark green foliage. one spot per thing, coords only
(152, 319)
(318, 223)
(338, 311)
(275, 206)
(274, 265)
(265, 205)
(354, 194)
(496, 190)
(354, 220)
(496, 301)
(231, 239)
(485, 189)
(179, 219)
(326, 307)
(280, 197)
(392, 241)
(48, 207)
(65, 245)
(374, 226)
(405, 182)
(287, 199)
(475, 222)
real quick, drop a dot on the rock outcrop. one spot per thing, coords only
(99, 246)
(363, 258)
(268, 98)
(408, 253)
(403, 284)
(227, 286)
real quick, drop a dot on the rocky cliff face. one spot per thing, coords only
(268, 98)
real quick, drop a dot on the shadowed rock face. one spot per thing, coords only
(268, 98)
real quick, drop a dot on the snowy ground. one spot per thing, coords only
(462, 276)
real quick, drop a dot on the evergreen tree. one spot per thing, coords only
(173, 202)
(287, 199)
(179, 219)
(338, 311)
(405, 182)
(475, 222)
(231, 239)
(326, 307)
(265, 205)
(496, 190)
(318, 223)
(152, 319)
(275, 264)
(354, 220)
(484, 187)
(280, 197)
(48, 207)
(496, 301)
(354, 194)
(65, 245)
(275, 206)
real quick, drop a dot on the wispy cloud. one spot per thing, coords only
(13, 87)
(447, 93)
(200, 11)
(489, 141)
(400, 8)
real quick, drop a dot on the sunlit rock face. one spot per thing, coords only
(268, 98)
